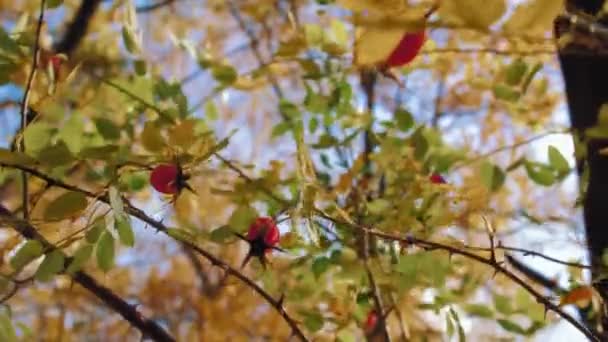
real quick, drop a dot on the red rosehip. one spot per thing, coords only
(56, 61)
(407, 49)
(263, 236)
(169, 179)
(436, 178)
(371, 321)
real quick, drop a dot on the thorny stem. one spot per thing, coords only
(25, 107)
(496, 265)
(159, 226)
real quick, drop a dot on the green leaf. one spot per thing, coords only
(225, 74)
(280, 129)
(515, 72)
(15, 158)
(116, 201)
(140, 67)
(99, 152)
(506, 93)
(479, 310)
(125, 231)
(404, 119)
(130, 40)
(313, 321)
(558, 161)
(221, 234)
(511, 326)
(7, 331)
(65, 206)
(492, 176)
(30, 250)
(541, 174)
(80, 257)
(325, 141)
(535, 69)
(421, 145)
(50, 4)
(72, 133)
(56, 155)
(37, 136)
(242, 217)
(93, 234)
(378, 206)
(503, 304)
(105, 251)
(461, 335)
(320, 265)
(107, 128)
(8, 44)
(52, 264)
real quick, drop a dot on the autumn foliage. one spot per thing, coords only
(243, 170)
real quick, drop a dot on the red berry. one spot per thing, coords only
(371, 321)
(56, 63)
(264, 226)
(263, 236)
(164, 178)
(436, 178)
(407, 49)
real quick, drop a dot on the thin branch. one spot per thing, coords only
(147, 327)
(25, 106)
(159, 226)
(527, 252)
(507, 148)
(497, 266)
(153, 7)
(78, 27)
(254, 44)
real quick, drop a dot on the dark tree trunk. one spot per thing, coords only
(585, 72)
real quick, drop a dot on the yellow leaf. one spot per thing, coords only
(534, 17)
(386, 6)
(374, 44)
(579, 296)
(182, 134)
(473, 13)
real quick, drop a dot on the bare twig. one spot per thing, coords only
(527, 252)
(153, 7)
(25, 106)
(507, 148)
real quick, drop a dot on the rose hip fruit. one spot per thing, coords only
(169, 179)
(263, 236)
(436, 178)
(408, 48)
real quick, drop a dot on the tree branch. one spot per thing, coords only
(497, 266)
(147, 327)
(277, 304)
(78, 27)
(24, 109)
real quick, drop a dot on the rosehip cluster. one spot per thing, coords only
(263, 236)
(169, 179)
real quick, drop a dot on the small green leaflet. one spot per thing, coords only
(7, 331)
(52, 264)
(30, 250)
(320, 265)
(65, 206)
(492, 176)
(80, 257)
(105, 251)
(558, 161)
(540, 173)
(122, 225)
